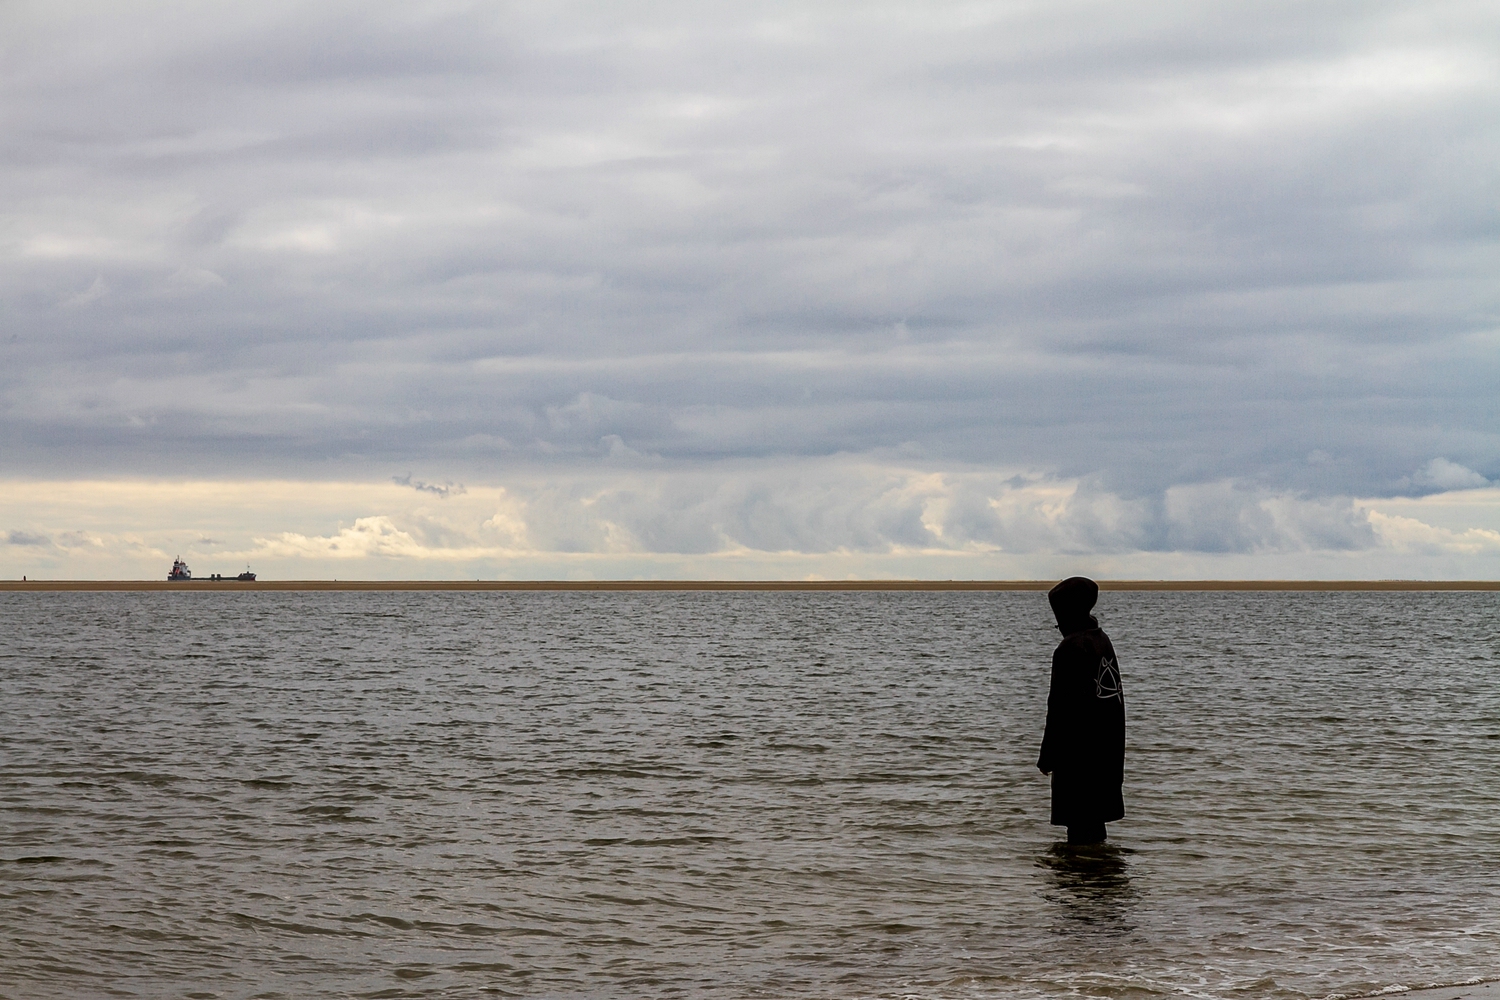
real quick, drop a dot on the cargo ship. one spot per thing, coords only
(180, 572)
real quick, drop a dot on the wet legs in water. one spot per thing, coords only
(1086, 833)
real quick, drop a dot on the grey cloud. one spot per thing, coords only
(440, 490)
(1152, 246)
(27, 538)
(1219, 517)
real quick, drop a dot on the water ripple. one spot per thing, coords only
(736, 795)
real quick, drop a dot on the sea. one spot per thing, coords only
(737, 795)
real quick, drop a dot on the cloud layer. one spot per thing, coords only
(1212, 272)
(748, 521)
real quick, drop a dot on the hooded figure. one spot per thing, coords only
(1084, 745)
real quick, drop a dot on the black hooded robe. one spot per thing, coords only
(1084, 744)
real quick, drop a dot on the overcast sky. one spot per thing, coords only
(618, 289)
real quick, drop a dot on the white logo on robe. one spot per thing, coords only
(1107, 681)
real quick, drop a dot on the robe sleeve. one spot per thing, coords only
(1055, 737)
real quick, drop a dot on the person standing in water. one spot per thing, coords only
(1084, 744)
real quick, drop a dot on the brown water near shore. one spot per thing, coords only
(731, 795)
(731, 585)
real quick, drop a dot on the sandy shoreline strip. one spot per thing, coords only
(733, 585)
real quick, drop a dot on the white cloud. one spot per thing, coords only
(191, 280)
(1442, 474)
(97, 290)
(368, 538)
(1407, 534)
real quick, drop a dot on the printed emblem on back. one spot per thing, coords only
(1107, 681)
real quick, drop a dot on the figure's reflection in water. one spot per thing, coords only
(1092, 883)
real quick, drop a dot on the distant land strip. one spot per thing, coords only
(732, 585)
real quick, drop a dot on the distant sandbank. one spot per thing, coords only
(730, 585)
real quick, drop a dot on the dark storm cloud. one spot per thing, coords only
(1159, 246)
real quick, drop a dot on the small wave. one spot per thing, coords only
(295, 927)
(1403, 988)
(396, 922)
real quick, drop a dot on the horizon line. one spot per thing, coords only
(740, 585)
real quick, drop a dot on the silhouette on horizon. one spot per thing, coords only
(1083, 748)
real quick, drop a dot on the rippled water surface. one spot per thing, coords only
(736, 795)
